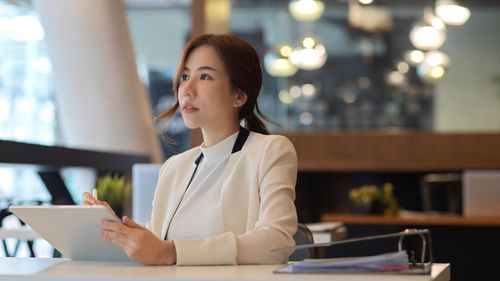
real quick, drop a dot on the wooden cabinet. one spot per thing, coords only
(395, 152)
(331, 162)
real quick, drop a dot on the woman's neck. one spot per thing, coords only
(216, 135)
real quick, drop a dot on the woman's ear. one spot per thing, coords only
(240, 98)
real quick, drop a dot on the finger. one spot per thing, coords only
(89, 198)
(109, 225)
(103, 203)
(114, 237)
(130, 223)
(115, 226)
(122, 241)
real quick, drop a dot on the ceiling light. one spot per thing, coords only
(436, 58)
(306, 10)
(396, 79)
(437, 72)
(365, 2)
(426, 37)
(295, 92)
(276, 61)
(369, 18)
(433, 67)
(402, 67)
(451, 12)
(308, 90)
(311, 55)
(414, 57)
(306, 118)
(430, 74)
(285, 97)
(285, 50)
(279, 67)
(429, 34)
(308, 42)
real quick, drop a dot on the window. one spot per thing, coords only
(27, 106)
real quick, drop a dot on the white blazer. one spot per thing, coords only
(257, 195)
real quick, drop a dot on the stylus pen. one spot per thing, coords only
(94, 193)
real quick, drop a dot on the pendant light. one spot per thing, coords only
(310, 55)
(276, 61)
(452, 12)
(434, 66)
(414, 57)
(306, 10)
(430, 33)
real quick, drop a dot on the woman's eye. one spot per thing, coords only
(184, 77)
(206, 77)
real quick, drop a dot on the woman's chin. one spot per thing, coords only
(191, 125)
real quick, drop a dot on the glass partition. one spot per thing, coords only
(27, 106)
(374, 75)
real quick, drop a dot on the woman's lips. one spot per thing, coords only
(189, 109)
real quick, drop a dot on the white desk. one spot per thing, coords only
(16, 269)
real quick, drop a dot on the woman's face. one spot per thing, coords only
(206, 98)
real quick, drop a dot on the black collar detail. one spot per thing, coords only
(240, 140)
(197, 161)
(238, 144)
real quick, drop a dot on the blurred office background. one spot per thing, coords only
(367, 79)
(383, 66)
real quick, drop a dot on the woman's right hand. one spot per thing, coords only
(90, 201)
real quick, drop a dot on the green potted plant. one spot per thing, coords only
(115, 190)
(375, 200)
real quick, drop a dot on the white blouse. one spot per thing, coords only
(201, 201)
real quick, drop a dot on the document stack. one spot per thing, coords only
(397, 262)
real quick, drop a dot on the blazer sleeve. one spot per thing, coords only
(275, 226)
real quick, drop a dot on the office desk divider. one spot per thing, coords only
(388, 263)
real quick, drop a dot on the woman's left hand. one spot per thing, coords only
(140, 244)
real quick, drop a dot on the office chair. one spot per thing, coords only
(303, 236)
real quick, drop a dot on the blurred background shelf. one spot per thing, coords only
(54, 157)
(401, 151)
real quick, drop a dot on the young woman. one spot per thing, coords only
(230, 200)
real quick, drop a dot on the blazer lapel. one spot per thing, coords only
(178, 193)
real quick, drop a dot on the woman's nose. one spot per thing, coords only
(187, 89)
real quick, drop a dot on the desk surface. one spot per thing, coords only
(64, 269)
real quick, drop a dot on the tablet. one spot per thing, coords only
(73, 230)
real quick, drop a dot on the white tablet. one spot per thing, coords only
(73, 230)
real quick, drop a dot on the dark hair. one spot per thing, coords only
(242, 63)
